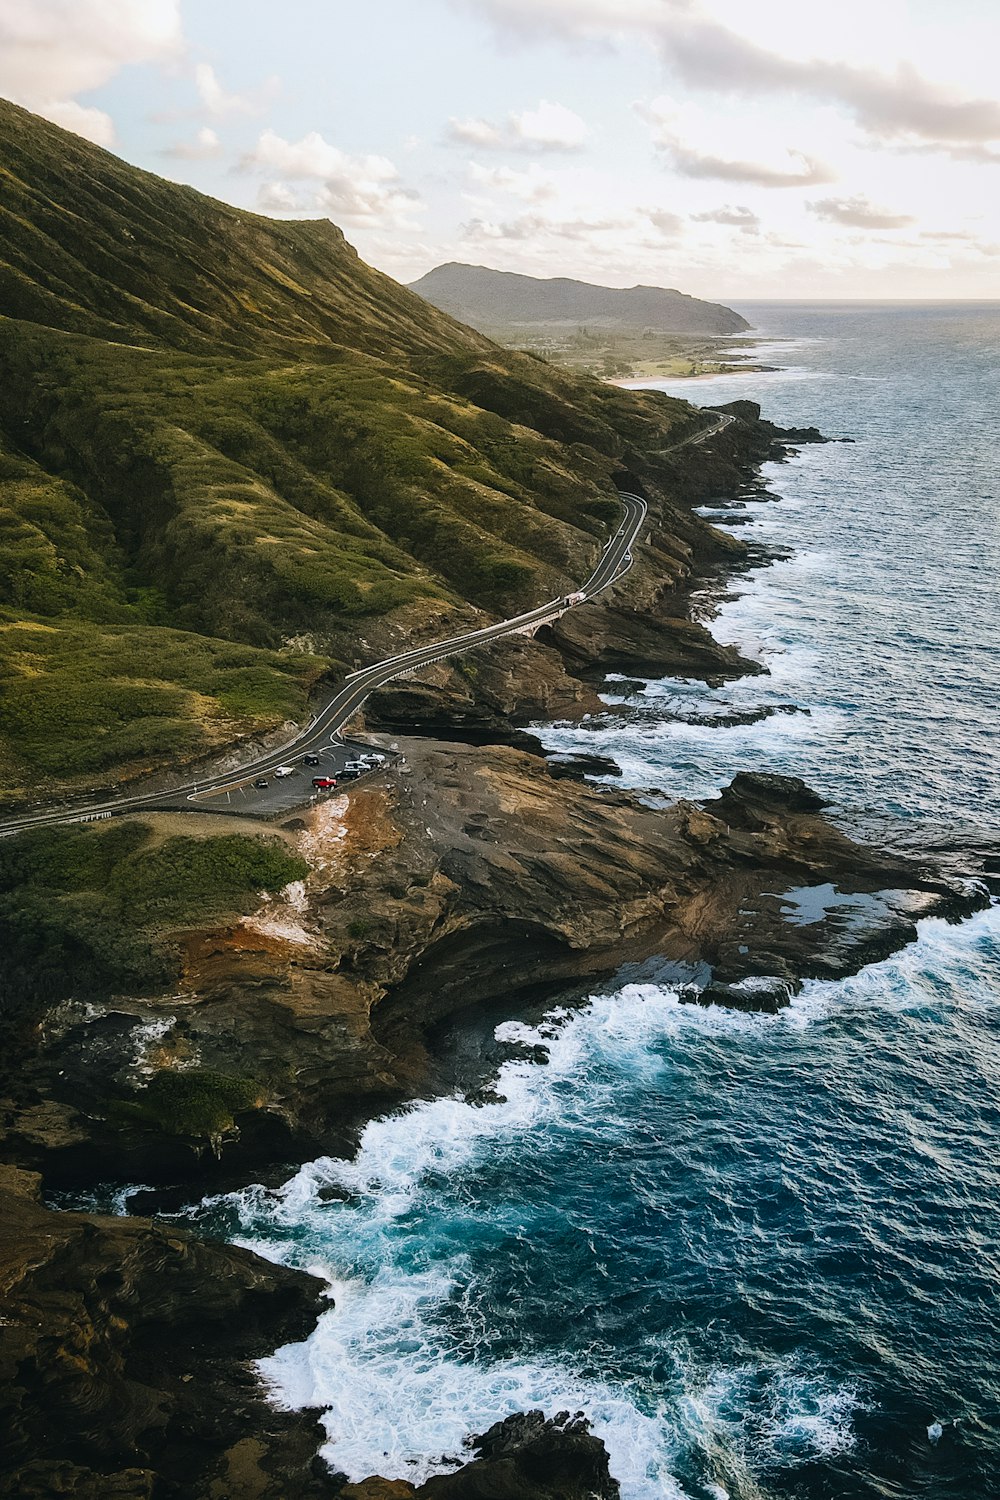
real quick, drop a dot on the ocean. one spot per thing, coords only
(762, 1254)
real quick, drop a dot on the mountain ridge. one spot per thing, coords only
(237, 459)
(488, 299)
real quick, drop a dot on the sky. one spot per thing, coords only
(736, 149)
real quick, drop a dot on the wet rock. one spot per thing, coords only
(533, 1052)
(751, 793)
(579, 767)
(737, 718)
(481, 1097)
(377, 1489)
(527, 1457)
(124, 1362)
(802, 435)
(756, 994)
(332, 1192)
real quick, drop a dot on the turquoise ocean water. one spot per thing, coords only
(761, 1253)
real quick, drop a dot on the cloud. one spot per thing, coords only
(901, 104)
(796, 170)
(690, 162)
(93, 124)
(214, 97)
(355, 189)
(858, 213)
(278, 198)
(577, 20)
(475, 133)
(547, 127)
(891, 106)
(979, 155)
(533, 185)
(217, 102)
(552, 126)
(667, 223)
(53, 49)
(533, 227)
(312, 156)
(739, 217)
(205, 145)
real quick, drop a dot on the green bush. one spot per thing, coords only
(198, 1102)
(84, 909)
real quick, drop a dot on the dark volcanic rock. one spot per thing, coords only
(466, 876)
(525, 1457)
(761, 994)
(124, 1361)
(751, 792)
(801, 435)
(579, 767)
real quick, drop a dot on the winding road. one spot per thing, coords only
(326, 725)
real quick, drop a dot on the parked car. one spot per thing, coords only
(357, 765)
(347, 775)
(260, 784)
(284, 771)
(374, 757)
(310, 760)
(324, 783)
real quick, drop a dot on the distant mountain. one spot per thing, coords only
(488, 299)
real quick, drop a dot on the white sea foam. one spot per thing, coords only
(395, 1402)
(399, 1398)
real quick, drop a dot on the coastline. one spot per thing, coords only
(703, 360)
(769, 826)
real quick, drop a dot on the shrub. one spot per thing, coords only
(199, 1102)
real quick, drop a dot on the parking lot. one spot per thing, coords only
(286, 794)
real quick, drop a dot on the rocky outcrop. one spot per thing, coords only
(640, 625)
(486, 697)
(125, 1352)
(464, 875)
(469, 873)
(525, 1457)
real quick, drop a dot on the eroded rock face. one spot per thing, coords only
(527, 1456)
(465, 875)
(125, 1352)
(639, 625)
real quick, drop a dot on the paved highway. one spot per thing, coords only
(323, 733)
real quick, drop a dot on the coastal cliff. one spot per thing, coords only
(464, 879)
(255, 1010)
(460, 877)
(125, 1360)
(240, 462)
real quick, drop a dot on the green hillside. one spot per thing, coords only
(235, 458)
(491, 299)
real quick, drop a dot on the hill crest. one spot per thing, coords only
(488, 299)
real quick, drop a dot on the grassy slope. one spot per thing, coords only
(233, 456)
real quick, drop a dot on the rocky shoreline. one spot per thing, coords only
(473, 867)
